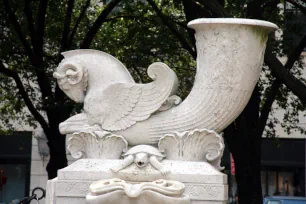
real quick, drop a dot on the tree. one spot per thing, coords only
(31, 49)
(138, 33)
(36, 32)
(243, 137)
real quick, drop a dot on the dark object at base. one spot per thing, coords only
(28, 200)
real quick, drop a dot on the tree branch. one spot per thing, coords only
(214, 6)
(282, 73)
(294, 56)
(42, 78)
(98, 23)
(275, 64)
(298, 5)
(58, 93)
(114, 18)
(265, 111)
(25, 96)
(14, 21)
(67, 23)
(77, 23)
(29, 16)
(271, 4)
(67, 43)
(192, 11)
(172, 28)
(40, 29)
(292, 83)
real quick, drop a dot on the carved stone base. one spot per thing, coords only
(119, 191)
(203, 183)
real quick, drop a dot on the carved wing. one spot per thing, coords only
(129, 103)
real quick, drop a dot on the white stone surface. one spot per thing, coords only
(51, 191)
(143, 114)
(116, 103)
(119, 191)
(78, 188)
(198, 145)
(97, 144)
(147, 197)
(202, 181)
(141, 156)
(232, 21)
(184, 171)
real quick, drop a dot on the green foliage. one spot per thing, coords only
(135, 35)
(292, 110)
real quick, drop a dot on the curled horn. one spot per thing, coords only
(58, 75)
(70, 72)
(73, 70)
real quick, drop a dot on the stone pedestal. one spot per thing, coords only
(204, 184)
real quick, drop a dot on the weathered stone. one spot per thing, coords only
(119, 112)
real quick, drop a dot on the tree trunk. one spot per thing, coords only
(57, 141)
(241, 136)
(243, 139)
(244, 144)
(57, 146)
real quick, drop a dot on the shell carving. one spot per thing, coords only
(97, 145)
(198, 145)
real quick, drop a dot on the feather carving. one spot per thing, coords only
(125, 104)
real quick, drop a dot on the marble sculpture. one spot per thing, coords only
(142, 155)
(148, 125)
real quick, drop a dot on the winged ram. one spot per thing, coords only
(113, 102)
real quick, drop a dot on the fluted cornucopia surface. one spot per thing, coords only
(230, 55)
